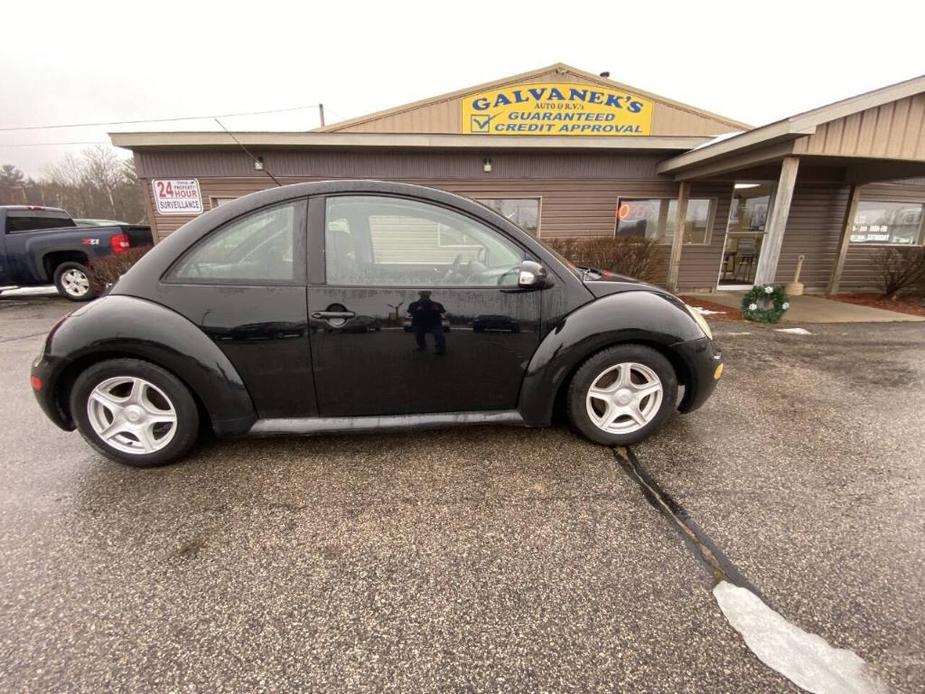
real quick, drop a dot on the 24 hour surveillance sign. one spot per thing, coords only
(556, 109)
(177, 196)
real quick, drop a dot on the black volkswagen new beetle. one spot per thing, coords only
(358, 306)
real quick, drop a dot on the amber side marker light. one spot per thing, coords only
(718, 372)
(36, 383)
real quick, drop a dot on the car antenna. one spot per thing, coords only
(258, 163)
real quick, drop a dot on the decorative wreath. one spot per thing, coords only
(765, 304)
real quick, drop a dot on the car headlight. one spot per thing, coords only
(700, 320)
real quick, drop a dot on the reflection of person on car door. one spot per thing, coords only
(427, 317)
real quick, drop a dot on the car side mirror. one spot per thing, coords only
(532, 275)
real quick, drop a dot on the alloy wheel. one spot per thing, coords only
(75, 283)
(624, 398)
(132, 415)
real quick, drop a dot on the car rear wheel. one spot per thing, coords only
(134, 412)
(622, 394)
(72, 281)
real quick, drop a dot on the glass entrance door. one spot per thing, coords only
(748, 215)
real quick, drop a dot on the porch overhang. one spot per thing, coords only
(764, 162)
(872, 136)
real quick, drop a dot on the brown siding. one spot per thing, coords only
(813, 230)
(580, 207)
(700, 264)
(895, 130)
(400, 165)
(579, 192)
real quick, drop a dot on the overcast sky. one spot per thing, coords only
(80, 62)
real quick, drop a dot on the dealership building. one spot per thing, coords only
(565, 153)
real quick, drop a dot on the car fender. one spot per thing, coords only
(644, 316)
(124, 326)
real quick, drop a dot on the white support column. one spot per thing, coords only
(677, 242)
(854, 198)
(777, 222)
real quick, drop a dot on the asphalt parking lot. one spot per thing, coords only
(475, 559)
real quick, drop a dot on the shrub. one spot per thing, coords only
(636, 257)
(106, 270)
(902, 271)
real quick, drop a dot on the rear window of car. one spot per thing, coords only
(31, 220)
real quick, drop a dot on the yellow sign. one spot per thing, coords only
(556, 109)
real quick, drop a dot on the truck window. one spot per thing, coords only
(31, 220)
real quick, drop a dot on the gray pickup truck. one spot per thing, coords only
(43, 245)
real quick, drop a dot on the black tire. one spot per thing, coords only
(187, 415)
(591, 370)
(66, 289)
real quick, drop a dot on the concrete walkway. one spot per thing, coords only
(817, 309)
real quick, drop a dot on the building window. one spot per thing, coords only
(656, 219)
(524, 212)
(888, 223)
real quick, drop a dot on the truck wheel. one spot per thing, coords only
(621, 395)
(73, 282)
(134, 412)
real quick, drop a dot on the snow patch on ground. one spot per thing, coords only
(793, 331)
(805, 659)
(30, 291)
(706, 311)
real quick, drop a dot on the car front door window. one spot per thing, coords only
(381, 241)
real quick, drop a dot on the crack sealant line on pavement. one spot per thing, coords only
(22, 337)
(806, 659)
(694, 536)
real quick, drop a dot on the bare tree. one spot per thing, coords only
(98, 183)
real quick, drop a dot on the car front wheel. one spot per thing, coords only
(134, 412)
(72, 280)
(622, 394)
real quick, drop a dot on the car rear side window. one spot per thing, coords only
(396, 242)
(33, 220)
(259, 248)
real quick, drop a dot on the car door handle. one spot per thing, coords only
(328, 315)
